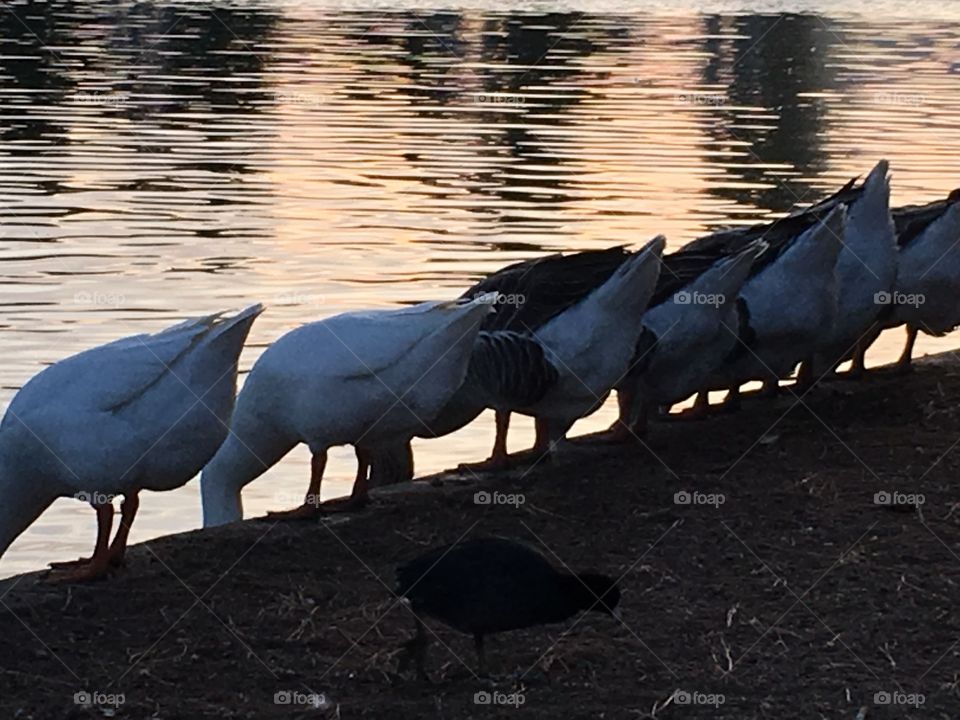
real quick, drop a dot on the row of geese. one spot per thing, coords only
(812, 289)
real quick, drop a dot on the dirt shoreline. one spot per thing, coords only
(797, 597)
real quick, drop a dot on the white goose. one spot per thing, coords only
(587, 348)
(866, 271)
(367, 379)
(562, 369)
(141, 413)
(694, 325)
(507, 366)
(789, 301)
(927, 287)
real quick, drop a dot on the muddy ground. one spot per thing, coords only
(797, 597)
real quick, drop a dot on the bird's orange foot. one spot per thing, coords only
(69, 564)
(851, 374)
(84, 573)
(350, 504)
(618, 433)
(306, 511)
(114, 559)
(491, 464)
(903, 368)
(697, 412)
(727, 407)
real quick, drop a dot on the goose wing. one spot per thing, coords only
(511, 369)
(778, 234)
(845, 195)
(678, 270)
(544, 287)
(912, 220)
(110, 376)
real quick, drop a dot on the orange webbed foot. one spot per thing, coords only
(90, 571)
(350, 504)
(306, 511)
(494, 463)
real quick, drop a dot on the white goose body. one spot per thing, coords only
(789, 303)
(694, 337)
(927, 288)
(364, 379)
(143, 412)
(866, 269)
(591, 344)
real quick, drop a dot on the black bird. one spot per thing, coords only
(490, 585)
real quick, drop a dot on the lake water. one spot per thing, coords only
(161, 160)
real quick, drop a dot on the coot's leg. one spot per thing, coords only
(481, 657)
(417, 648)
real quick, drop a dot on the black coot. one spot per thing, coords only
(490, 585)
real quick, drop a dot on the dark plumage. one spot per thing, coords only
(491, 585)
(912, 220)
(509, 369)
(548, 285)
(679, 269)
(778, 235)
